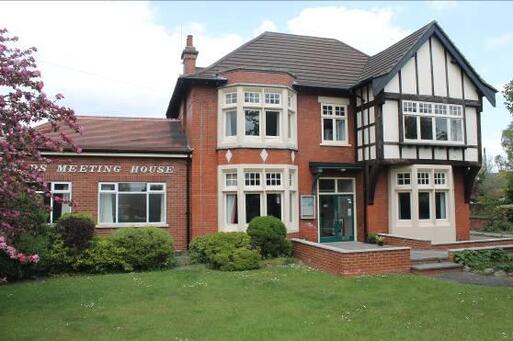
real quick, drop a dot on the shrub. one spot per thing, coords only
(481, 259)
(76, 230)
(270, 236)
(145, 248)
(226, 251)
(103, 256)
(372, 238)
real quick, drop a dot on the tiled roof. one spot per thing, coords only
(384, 61)
(124, 134)
(319, 62)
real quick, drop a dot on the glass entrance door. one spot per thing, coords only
(336, 217)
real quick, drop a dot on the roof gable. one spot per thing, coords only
(382, 67)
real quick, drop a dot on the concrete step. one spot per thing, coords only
(429, 260)
(436, 267)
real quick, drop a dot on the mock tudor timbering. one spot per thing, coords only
(335, 143)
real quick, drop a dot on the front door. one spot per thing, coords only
(336, 217)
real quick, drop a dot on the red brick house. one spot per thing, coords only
(336, 143)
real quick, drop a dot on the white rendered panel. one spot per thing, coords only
(372, 134)
(408, 78)
(366, 117)
(359, 119)
(455, 85)
(471, 154)
(391, 121)
(360, 158)
(425, 153)
(440, 154)
(371, 115)
(393, 85)
(373, 152)
(471, 125)
(391, 151)
(439, 68)
(360, 138)
(455, 154)
(409, 153)
(366, 153)
(366, 136)
(470, 89)
(424, 70)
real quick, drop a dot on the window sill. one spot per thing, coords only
(331, 144)
(115, 226)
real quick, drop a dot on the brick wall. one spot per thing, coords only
(200, 118)
(462, 209)
(403, 241)
(377, 213)
(85, 187)
(427, 245)
(396, 260)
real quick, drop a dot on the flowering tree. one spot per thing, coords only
(23, 104)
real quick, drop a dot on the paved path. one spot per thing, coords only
(473, 278)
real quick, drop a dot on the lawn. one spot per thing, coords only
(282, 302)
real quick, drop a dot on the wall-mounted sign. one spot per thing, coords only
(133, 169)
(307, 206)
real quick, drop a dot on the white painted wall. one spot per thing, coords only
(471, 121)
(408, 79)
(439, 77)
(393, 85)
(424, 67)
(391, 121)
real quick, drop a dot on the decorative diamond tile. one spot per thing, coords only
(293, 156)
(264, 154)
(228, 155)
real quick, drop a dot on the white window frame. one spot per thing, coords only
(414, 188)
(335, 118)
(286, 108)
(148, 192)
(449, 112)
(287, 185)
(58, 191)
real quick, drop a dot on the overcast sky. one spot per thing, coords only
(123, 58)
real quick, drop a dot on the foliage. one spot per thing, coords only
(145, 248)
(23, 104)
(508, 95)
(270, 236)
(14, 264)
(226, 251)
(501, 219)
(102, 257)
(371, 238)
(482, 259)
(76, 230)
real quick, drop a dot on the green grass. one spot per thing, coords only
(275, 303)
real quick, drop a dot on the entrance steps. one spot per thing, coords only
(429, 261)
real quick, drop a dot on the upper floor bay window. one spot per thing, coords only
(128, 203)
(334, 124)
(248, 191)
(257, 117)
(432, 122)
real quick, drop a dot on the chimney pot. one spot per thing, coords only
(189, 55)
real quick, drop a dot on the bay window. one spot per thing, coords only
(271, 190)
(132, 203)
(421, 195)
(432, 122)
(251, 116)
(334, 124)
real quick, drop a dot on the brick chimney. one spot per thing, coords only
(189, 55)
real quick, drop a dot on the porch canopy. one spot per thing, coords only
(318, 168)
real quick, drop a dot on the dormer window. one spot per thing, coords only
(432, 122)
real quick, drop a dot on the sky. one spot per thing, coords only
(123, 58)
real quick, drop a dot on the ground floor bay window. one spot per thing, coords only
(131, 203)
(422, 202)
(248, 191)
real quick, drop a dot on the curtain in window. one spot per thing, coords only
(231, 209)
(107, 207)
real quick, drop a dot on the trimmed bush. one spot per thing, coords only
(76, 230)
(270, 236)
(102, 257)
(146, 248)
(226, 251)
